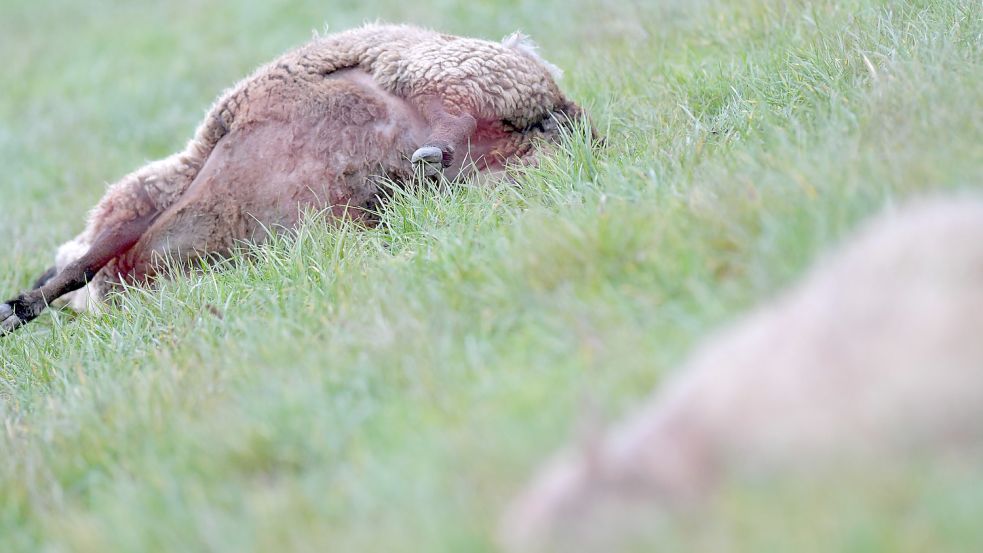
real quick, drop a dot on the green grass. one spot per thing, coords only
(390, 389)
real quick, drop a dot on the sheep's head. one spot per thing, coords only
(569, 119)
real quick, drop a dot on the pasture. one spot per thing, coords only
(391, 389)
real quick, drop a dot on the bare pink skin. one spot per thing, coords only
(261, 177)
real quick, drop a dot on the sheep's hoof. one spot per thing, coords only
(431, 159)
(20, 310)
(9, 321)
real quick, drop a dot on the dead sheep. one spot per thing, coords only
(875, 356)
(314, 128)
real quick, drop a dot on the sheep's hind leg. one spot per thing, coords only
(45, 277)
(448, 130)
(110, 243)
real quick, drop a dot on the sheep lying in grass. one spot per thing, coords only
(875, 356)
(313, 128)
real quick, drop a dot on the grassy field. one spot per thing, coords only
(390, 389)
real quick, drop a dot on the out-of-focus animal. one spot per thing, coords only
(876, 355)
(315, 128)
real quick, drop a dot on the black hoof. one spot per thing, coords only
(9, 320)
(19, 311)
(429, 159)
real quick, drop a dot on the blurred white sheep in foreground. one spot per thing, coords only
(877, 353)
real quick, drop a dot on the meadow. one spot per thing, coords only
(389, 389)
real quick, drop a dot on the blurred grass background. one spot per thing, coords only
(390, 389)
